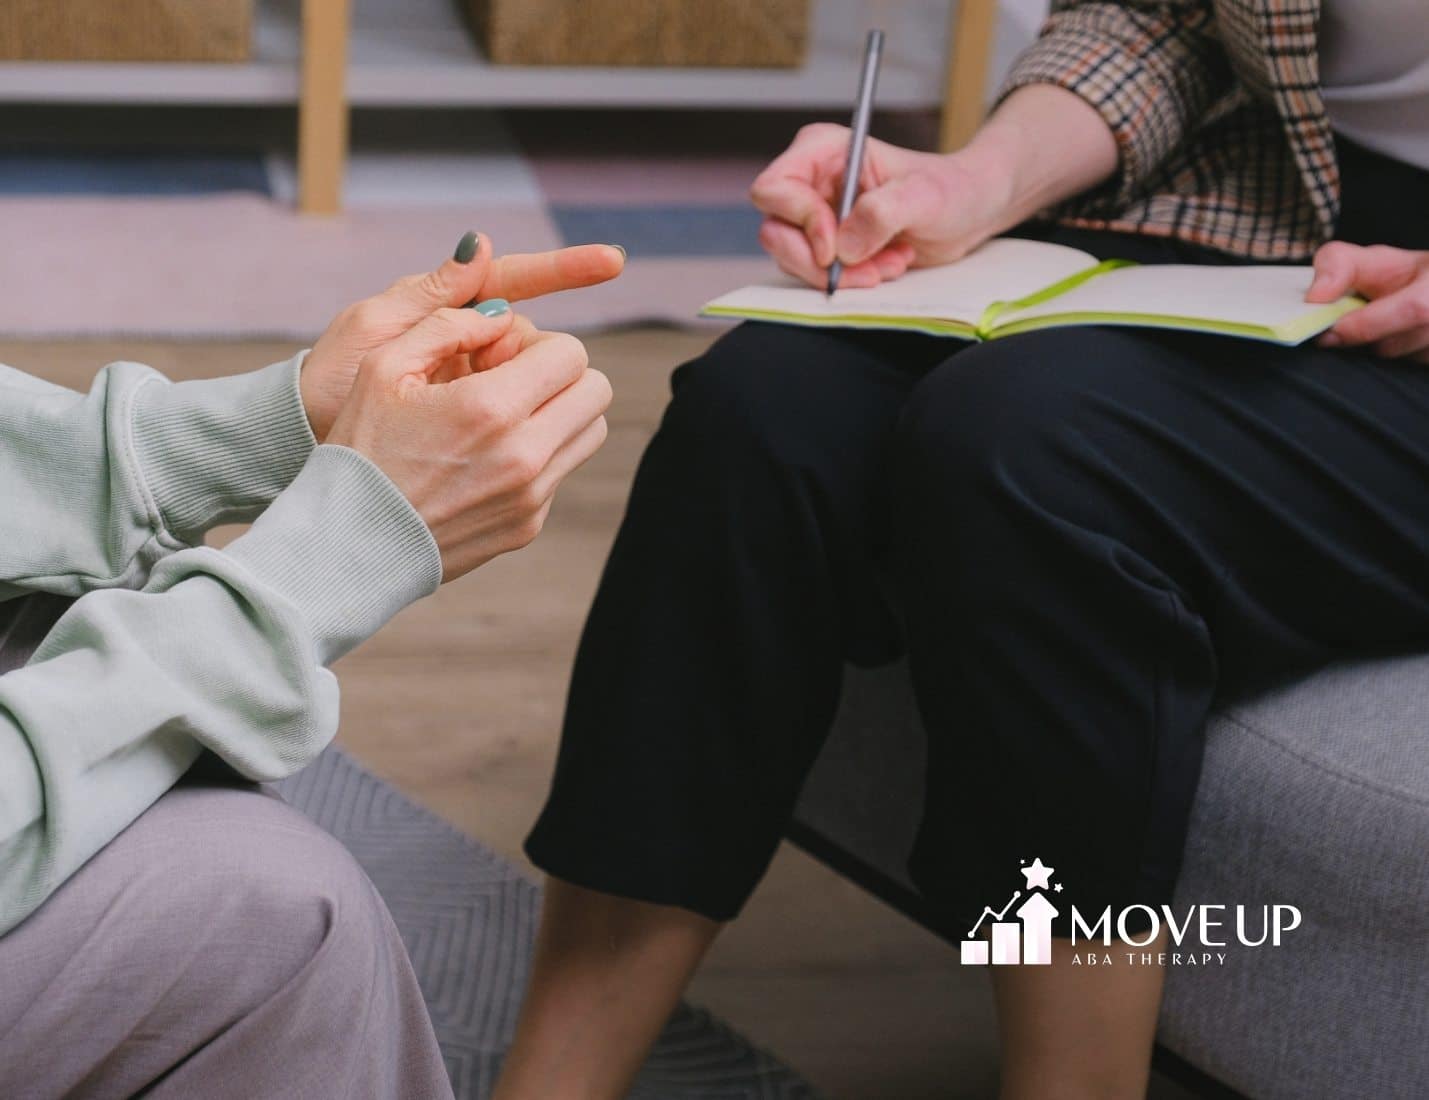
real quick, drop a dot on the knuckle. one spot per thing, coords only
(493, 416)
(571, 349)
(816, 131)
(529, 498)
(601, 387)
(374, 363)
(457, 321)
(878, 208)
(366, 314)
(431, 285)
(447, 326)
(520, 466)
(525, 532)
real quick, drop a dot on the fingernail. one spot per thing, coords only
(621, 247)
(1330, 340)
(492, 307)
(466, 247)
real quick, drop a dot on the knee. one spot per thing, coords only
(741, 401)
(282, 909)
(1029, 420)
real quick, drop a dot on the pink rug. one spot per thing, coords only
(235, 265)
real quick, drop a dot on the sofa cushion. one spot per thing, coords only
(1316, 795)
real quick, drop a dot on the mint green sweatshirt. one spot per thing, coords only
(175, 647)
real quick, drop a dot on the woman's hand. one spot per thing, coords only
(480, 456)
(1395, 280)
(1042, 145)
(472, 274)
(913, 209)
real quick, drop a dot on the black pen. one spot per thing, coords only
(862, 115)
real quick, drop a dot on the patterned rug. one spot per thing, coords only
(468, 918)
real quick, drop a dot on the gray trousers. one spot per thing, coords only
(221, 946)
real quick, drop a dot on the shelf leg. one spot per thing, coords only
(969, 53)
(322, 111)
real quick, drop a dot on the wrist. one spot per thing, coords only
(219, 450)
(995, 157)
(1048, 145)
(319, 406)
(988, 164)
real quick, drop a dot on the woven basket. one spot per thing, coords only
(125, 30)
(747, 33)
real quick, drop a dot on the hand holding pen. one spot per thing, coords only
(914, 209)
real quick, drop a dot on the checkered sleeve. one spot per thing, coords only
(1152, 70)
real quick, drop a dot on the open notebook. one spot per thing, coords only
(1011, 285)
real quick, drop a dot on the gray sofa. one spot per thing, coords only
(1316, 795)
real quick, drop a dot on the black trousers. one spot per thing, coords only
(1081, 539)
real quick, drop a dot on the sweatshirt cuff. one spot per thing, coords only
(220, 450)
(344, 546)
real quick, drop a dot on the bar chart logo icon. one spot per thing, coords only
(1020, 936)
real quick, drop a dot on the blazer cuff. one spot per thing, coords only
(220, 450)
(342, 544)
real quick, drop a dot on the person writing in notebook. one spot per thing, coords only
(1078, 537)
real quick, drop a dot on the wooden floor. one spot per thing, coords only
(458, 702)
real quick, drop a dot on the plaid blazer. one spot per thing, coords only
(1216, 109)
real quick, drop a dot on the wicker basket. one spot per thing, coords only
(125, 30)
(751, 33)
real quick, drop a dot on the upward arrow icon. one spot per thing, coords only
(1036, 915)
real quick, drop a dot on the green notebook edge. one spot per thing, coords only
(1288, 335)
(932, 326)
(987, 328)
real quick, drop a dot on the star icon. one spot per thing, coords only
(1037, 874)
(1057, 887)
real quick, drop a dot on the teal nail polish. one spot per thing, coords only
(467, 247)
(492, 307)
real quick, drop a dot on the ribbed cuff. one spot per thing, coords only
(220, 450)
(344, 545)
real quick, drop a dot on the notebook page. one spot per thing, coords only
(1004, 268)
(1268, 297)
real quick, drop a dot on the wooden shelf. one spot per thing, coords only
(419, 53)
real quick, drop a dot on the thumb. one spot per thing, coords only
(426, 347)
(455, 283)
(881, 214)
